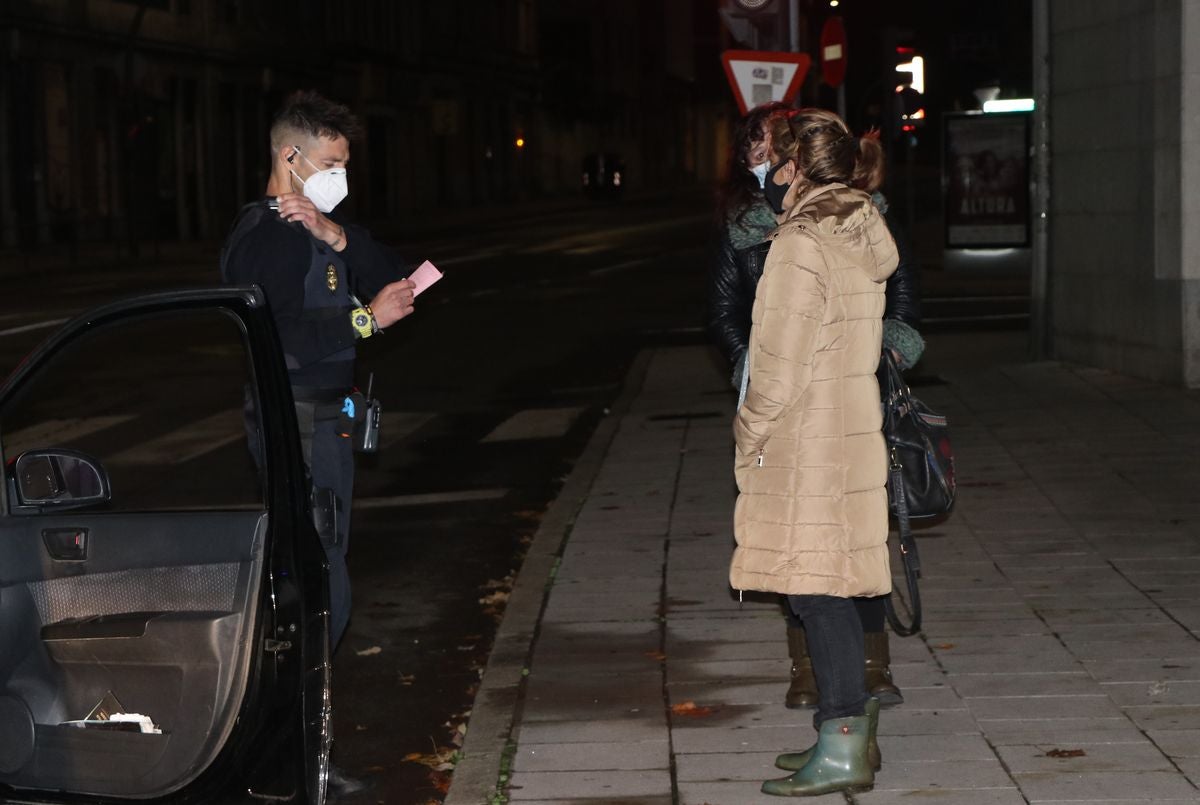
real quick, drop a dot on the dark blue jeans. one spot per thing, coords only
(835, 644)
(870, 612)
(330, 459)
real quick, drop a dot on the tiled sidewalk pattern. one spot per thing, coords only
(1059, 662)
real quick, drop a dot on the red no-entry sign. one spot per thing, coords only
(833, 52)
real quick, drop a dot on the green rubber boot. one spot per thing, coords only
(794, 761)
(839, 762)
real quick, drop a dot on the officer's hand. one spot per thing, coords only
(393, 303)
(298, 207)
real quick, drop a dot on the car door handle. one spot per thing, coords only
(66, 544)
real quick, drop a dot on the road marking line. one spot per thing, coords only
(535, 423)
(188, 441)
(985, 317)
(25, 328)
(397, 425)
(61, 432)
(567, 390)
(675, 331)
(943, 299)
(429, 498)
(586, 239)
(599, 272)
(209, 447)
(469, 258)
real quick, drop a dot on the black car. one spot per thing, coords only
(603, 175)
(163, 598)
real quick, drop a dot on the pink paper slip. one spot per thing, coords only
(425, 275)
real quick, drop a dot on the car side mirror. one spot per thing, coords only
(57, 478)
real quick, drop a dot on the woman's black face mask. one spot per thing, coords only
(774, 193)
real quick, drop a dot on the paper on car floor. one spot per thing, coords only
(109, 714)
(105, 708)
(120, 722)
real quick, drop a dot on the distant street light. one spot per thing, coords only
(1009, 105)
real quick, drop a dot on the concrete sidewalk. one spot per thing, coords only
(1060, 657)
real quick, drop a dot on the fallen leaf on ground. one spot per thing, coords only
(691, 710)
(497, 597)
(656, 655)
(442, 760)
(944, 646)
(1066, 753)
(369, 652)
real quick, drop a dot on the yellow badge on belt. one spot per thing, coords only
(331, 277)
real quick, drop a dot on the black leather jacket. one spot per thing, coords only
(734, 275)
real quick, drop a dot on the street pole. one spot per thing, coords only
(1039, 311)
(794, 24)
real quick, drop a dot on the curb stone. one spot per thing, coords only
(498, 700)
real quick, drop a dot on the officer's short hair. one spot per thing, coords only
(310, 115)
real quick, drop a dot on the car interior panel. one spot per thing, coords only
(165, 632)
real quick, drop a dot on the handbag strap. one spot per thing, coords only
(908, 555)
(896, 387)
(907, 542)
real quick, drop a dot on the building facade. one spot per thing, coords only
(1123, 277)
(142, 120)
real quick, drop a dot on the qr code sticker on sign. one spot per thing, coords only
(760, 94)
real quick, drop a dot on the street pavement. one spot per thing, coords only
(1060, 656)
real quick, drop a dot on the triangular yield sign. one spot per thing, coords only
(762, 76)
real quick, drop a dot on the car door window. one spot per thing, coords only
(162, 402)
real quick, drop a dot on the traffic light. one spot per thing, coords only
(909, 101)
(752, 5)
(756, 24)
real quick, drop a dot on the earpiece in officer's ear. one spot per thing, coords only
(292, 156)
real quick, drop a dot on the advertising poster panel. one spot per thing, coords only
(986, 166)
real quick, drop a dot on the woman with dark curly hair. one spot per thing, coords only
(744, 219)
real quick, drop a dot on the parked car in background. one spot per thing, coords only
(163, 599)
(603, 174)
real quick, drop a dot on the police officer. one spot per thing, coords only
(329, 285)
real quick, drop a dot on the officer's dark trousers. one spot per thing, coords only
(330, 459)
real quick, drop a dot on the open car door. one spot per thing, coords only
(163, 600)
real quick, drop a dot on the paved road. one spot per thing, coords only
(490, 392)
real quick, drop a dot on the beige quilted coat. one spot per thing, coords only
(811, 464)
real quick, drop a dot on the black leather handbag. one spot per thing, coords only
(920, 478)
(919, 447)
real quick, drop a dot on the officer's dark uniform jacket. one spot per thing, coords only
(734, 280)
(308, 287)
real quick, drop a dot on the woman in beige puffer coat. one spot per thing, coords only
(811, 466)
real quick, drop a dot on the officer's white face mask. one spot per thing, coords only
(326, 188)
